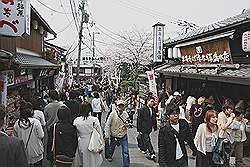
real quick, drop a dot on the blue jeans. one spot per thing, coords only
(124, 144)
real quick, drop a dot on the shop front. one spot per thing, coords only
(212, 61)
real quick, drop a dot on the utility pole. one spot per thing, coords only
(80, 42)
(93, 59)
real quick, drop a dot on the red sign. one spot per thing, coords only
(21, 79)
(14, 17)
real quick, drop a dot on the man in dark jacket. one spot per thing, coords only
(73, 104)
(12, 152)
(146, 120)
(172, 151)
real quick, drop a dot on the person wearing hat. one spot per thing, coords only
(146, 121)
(12, 152)
(116, 131)
(172, 150)
(197, 114)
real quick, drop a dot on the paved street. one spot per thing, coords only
(137, 159)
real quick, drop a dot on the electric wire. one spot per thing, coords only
(52, 8)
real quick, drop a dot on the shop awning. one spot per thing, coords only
(206, 39)
(5, 55)
(238, 74)
(34, 62)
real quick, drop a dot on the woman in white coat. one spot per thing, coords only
(30, 131)
(84, 125)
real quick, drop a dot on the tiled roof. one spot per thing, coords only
(225, 74)
(231, 21)
(29, 61)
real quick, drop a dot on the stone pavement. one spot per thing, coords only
(137, 159)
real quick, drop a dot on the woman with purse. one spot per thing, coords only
(205, 140)
(62, 140)
(30, 131)
(86, 125)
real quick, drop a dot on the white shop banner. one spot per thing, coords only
(59, 80)
(152, 84)
(14, 17)
(158, 42)
(246, 41)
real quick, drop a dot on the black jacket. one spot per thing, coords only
(74, 107)
(144, 123)
(12, 153)
(66, 140)
(167, 143)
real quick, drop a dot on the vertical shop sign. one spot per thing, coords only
(3, 88)
(59, 80)
(14, 17)
(152, 84)
(10, 77)
(246, 41)
(158, 41)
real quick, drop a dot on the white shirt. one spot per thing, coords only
(39, 116)
(179, 153)
(96, 105)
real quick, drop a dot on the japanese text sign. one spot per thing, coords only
(246, 41)
(212, 52)
(14, 17)
(158, 42)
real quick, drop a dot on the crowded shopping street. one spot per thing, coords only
(115, 83)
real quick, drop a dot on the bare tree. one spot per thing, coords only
(133, 48)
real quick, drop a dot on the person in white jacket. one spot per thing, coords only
(30, 131)
(205, 140)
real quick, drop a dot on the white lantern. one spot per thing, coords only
(35, 24)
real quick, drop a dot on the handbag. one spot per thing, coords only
(96, 142)
(219, 156)
(60, 160)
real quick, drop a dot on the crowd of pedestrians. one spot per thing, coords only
(80, 126)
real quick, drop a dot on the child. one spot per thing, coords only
(238, 132)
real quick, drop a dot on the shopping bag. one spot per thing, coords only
(95, 143)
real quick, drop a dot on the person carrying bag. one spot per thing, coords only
(60, 160)
(96, 142)
(62, 140)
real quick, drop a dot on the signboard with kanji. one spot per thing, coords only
(211, 52)
(158, 42)
(246, 41)
(14, 17)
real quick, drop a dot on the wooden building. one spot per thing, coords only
(28, 69)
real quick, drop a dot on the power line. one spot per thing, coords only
(72, 11)
(65, 27)
(52, 8)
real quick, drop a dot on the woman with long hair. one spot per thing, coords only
(205, 140)
(30, 131)
(84, 125)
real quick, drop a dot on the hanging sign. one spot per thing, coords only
(152, 84)
(158, 41)
(14, 17)
(212, 52)
(246, 41)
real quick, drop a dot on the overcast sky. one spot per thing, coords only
(118, 15)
